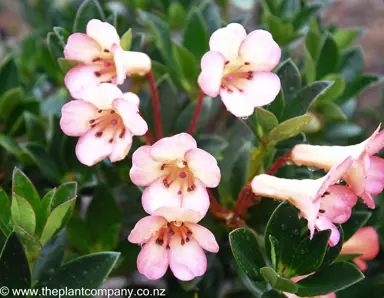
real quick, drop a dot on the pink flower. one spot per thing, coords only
(177, 174)
(105, 120)
(365, 177)
(178, 244)
(238, 67)
(102, 58)
(320, 201)
(366, 242)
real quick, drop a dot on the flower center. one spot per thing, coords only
(107, 66)
(235, 75)
(108, 125)
(178, 172)
(171, 229)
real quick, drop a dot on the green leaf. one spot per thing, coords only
(9, 76)
(6, 225)
(50, 257)
(54, 46)
(329, 58)
(56, 220)
(35, 128)
(185, 117)
(333, 251)
(176, 15)
(188, 66)
(45, 206)
(246, 251)
(126, 40)
(309, 71)
(351, 64)
(262, 122)
(105, 233)
(277, 106)
(336, 277)
(65, 64)
(357, 220)
(273, 294)
(282, 32)
(284, 226)
(347, 257)
(14, 268)
(64, 193)
(62, 35)
(88, 272)
(31, 245)
(288, 129)
(79, 236)
(290, 79)
(277, 282)
(213, 144)
(9, 101)
(330, 111)
(211, 14)
(290, 9)
(300, 104)
(23, 187)
(88, 10)
(10, 145)
(347, 37)
(23, 214)
(305, 15)
(333, 91)
(360, 84)
(309, 255)
(313, 44)
(195, 35)
(274, 250)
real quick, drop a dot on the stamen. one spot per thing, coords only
(168, 247)
(321, 211)
(99, 134)
(182, 242)
(163, 167)
(106, 51)
(247, 63)
(325, 194)
(97, 73)
(114, 122)
(110, 141)
(179, 192)
(159, 241)
(122, 134)
(227, 62)
(183, 175)
(92, 121)
(96, 59)
(99, 111)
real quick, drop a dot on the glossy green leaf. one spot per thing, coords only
(313, 44)
(45, 207)
(346, 37)
(277, 282)
(309, 255)
(333, 251)
(14, 268)
(23, 187)
(334, 91)
(195, 34)
(188, 66)
(282, 32)
(338, 276)
(64, 193)
(213, 144)
(277, 106)
(56, 220)
(357, 220)
(329, 57)
(62, 35)
(288, 129)
(6, 224)
(88, 272)
(246, 251)
(273, 294)
(50, 257)
(351, 64)
(88, 10)
(305, 15)
(35, 128)
(78, 235)
(9, 102)
(262, 122)
(290, 9)
(10, 145)
(9, 76)
(126, 40)
(290, 79)
(304, 98)
(360, 84)
(284, 226)
(211, 14)
(347, 257)
(23, 214)
(330, 111)
(65, 64)
(176, 15)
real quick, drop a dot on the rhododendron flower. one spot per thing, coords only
(105, 120)
(102, 58)
(176, 173)
(365, 177)
(298, 278)
(366, 242)
(238, 67)
(178, 244)
(320, 201)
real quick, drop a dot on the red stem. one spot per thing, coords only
(216, 209)
(149, 137)
(196, 115)
(279, 163)
(242, 200)
(156, 106)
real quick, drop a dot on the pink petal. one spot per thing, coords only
(204, 167)
(121, 147)
(130, 115)
(363, 266)
(81, 77)
(102, 96)
(144, 169)
(105, 34)
(81, 47)
(227, 40)
(375, 142)
(186, 261)
(145, 228)
(364, 241)
(368, 200)
(91, 149)
(324, 223)
(157, 195)
(118, 57)
(136, 63)
(263, 88)
(259, 49)
(196, 200)
(173, 148)
(375, 177)
(178, 214)
(75, 116)
(153, 260)
(212, 67)
(356, 176)
(132, 98)
(337, 203)
(204, 237)
(239, 104)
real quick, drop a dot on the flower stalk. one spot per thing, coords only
(156, 106)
